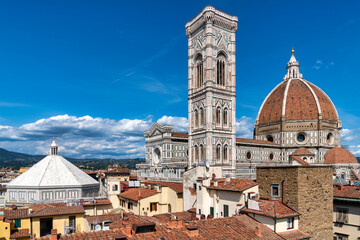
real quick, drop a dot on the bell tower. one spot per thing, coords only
(211, 89)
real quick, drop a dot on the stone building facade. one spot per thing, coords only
(296, 113)
(308, 189)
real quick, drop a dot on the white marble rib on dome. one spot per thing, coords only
(53, 171)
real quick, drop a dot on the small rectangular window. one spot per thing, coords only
(153, 207)
(342, 215)
(275, 191)
(290, 223)
(226, 210)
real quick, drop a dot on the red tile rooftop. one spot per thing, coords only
(235, 184)
(20, 233)
(294, 235)
(19, 213)
(53, 209)
(138, 193)
(302, 151)
(105, 217)
(272, 208)
(179, 134)
(346, 191)
(177, 187)
(237, 227)
(105, 201)
(300, 160)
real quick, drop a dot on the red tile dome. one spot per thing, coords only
(296, 99)
(339, 155)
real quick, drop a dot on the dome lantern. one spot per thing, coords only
(292, 68)
(53, 148)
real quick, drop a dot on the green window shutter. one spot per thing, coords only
(226, 210)
(17, 223)
(212, 211)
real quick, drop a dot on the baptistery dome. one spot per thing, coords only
(296, 113)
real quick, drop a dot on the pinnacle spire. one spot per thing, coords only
(53, 148)
(292, 68)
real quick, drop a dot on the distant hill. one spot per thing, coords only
(8, 156)
(15, 160)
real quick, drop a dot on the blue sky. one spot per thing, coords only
(96, 74)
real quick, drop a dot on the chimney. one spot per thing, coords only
(192, 231)
(172, 224)
(341, 187)
(127, 231)
(53, 235)
(179, 223)
(215, 182)
(258, 231)
(227, 177)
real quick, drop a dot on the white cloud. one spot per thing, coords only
(86, 136)
(348, 134)
(180, 124)
(355, 150)
(244, 128)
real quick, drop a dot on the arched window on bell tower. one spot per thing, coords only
(202, 116)
(196, 149)
(218, 153)
(225, 117)
(218, 116)
(220, 70)
(202, 152)
(196, 118)
(225, 155)
(199, 79)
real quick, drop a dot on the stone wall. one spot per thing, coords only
(308, 189)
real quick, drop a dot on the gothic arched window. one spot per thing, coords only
(196, 149)
(202, 152)
(225, 153)
(220, 70)
(196, 118)
(225, 117)
(202, 117)
(217, 115)
(218, 151)
(199, 72)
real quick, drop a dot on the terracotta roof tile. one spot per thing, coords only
(272, 208)
(235, 184)
(300, 160)
(300, 103)
(346, 191)
(327, 108)
(105, 217)
(53, 209)
(238, 227)
(245, 140)
(105, 201)
(179, 134)
(302, 151)
(138, 193)
(20, 233)
(19, 213)
(339, 155)
(166, 217)
(294, 235)
(271, 111)
(177, 187)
